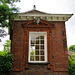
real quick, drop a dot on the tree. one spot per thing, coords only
(2, 33)
(7, 46)
(7, 9)
(72, 48)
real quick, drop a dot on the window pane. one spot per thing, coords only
(37, 37)
(37, 58)
(37, 41)
(32, 50)
(37, 47)
(32, 41)
(41, 46)
(41, 52)
(41, 41)
(34, 36)
(41, 37)
(42, 58)
(31, 58)
(36, 52)
(32, 53)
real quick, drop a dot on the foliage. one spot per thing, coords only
(73, 56)
(7, 8)
(6, 61)
(7, 46)
(2, 53)
(72, 48)
(72, 65)
(32, 55)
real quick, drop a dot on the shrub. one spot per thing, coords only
(6, 61)
(72, 65)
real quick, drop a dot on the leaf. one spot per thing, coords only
(7, 10)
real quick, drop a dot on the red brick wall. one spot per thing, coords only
(38, 70)
(59, 47)
(57, 50)
(18, 45)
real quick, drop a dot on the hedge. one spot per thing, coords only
(6, 61)
(72, 65)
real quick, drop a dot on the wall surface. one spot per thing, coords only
(57, 51)
(38, 70)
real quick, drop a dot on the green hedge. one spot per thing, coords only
(6, 61)
(72, 65)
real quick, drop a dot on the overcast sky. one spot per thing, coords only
(53, 6)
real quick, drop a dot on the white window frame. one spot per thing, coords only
(45, 45)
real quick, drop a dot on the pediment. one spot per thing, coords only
(36, 12)
(41, 23)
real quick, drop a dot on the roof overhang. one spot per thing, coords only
(34, 14)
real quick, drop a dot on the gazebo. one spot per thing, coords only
(39, 43)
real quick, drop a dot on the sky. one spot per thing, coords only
(54, 7)
(3, 39)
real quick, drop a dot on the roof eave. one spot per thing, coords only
(49, 17)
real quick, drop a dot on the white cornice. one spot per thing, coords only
(34, 14)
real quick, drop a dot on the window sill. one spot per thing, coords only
(39, 63)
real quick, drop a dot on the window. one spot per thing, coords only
(37, 47)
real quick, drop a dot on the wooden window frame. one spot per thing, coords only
(45, 35)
